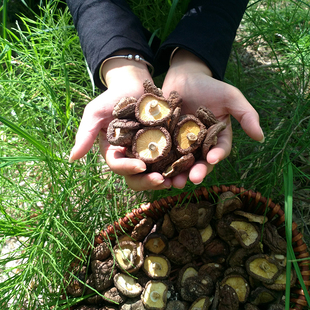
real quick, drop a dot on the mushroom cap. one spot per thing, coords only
(103, 273)
(132, 304)
(252, 217)
(177, 253)
(185, 215)
(125, 108)
(215, 271)
(174, 119)
(205, 213)
(188, 134)
(141, 230)
(206, 116)
(263, 268)
(211, 137)
(75, 287)
(154, 295)
(113, 295)
(207, 234)
(228, 298)
(127, 285)
(227, 202)
(247, 234)
(152, 110)
(156, 243)
(150, 88)
(201, 303)
(187, 271)
(280, 283)
(215, 251)
(161, 165)
(101, 252)
(273, 240)
(151, 144)
(176, 305)
(239, 284)
(121, 131)
(182, 164)
(167, 227)
(174, 99)
(157, 266)
(262, 295)
(138, 262)
(125, 254)
(192, 240)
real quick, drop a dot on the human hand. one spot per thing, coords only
(124, 79)
(192, 79)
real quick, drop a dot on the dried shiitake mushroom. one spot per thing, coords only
(156, 266)
(187, 271)
(127, 285)
(192, 240)
(215, 271)
(152, 110)
(205, 213)
(188, 134)
(141, 230)
(75, 286)
(150, 88)
(280, 282)
(207, 234)
(113, 295)
(156, 243)
(273, 240)
(103, 273)
(151, 144)
(177, 305)
(132, 304)
(177, 253)
(262, 295)
(215, 251)
(121, 131)
(228, 298)
(162, 165)
(167, 227)
(227, 203)
(154, 295)
(125, 254)
(184, 163)
(125, 108)
(201, 303)
(239, 284)
(101, 252)
(263, 268)
(184, 216)
(206, 116)
(260, 219)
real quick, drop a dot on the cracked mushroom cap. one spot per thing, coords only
(263, 268)
(125, 254)
(151, 88)
(227, 202)
(152, 110)
(151, 144)
(211, 137)
(192, 240)
(188, 134)
(180, 165)
(174, 99)
(247, 234)
(121, 131)
(113, 295)
(132, 304)
(206, 116)
(101, 252)
(139, 259)
(239, 284)
(103, 273)
(127, 285)
(187, 271)
(156, 266)
(154, 295)
(141, 230)
(184, 216)
(201, 303)
(125, 108)
(177, 253)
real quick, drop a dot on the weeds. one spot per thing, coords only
(55, 208)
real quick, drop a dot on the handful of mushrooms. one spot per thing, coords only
(152, 129)
(200, 256)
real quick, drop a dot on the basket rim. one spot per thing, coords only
(253, 201)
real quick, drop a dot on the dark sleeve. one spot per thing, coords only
(104, 27)
(207, 30)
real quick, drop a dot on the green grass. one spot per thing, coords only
(55, 208)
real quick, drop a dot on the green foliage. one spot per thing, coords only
(55, 208)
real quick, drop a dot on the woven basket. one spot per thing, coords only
(253, 202)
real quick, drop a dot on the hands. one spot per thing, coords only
(189, 76)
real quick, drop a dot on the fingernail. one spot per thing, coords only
(197, 183)
(139, 169)
(214, 163)
(157, 181)
(262, 140)
(70, 160)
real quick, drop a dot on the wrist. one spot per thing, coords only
(185, 61)
(124, 70)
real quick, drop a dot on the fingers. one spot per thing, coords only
(199, 171)
(147, 181)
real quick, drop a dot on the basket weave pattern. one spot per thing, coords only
(253, 202)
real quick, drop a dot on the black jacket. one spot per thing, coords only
(207, 30)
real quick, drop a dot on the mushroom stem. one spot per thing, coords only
(153, 146)
(156, 266)
(154, 296)
(154, 107)
(191, 137)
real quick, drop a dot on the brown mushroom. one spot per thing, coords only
(152, 110)
(132, 304)
(238, 256)
(215, 271)
(201, 303)
(211, 137)
(121, 131)
(263, 268)
(188, 134)
(280, 282)
(228, 298)
(273, 240)
(125, 108)
(215, 251)
(167, 227)
(156, 243)
(151, 144)
(206, 116)
(227, 203)
(174, 120)
(127, 285)
(113, 295)
(75, 285)
(154, 295)
(125, 254)
(103, 273)
(182, 164)
(236, 270)
(176, 305)
(195, 287)
(205, 213)
(239, 284)
(141, 230)
(178, 253)
(150, 88)
(192, 240)
(101, 252)
(247, 234)
(156, 266)
(207, 234)
(138, 262)
(161, 166)
(249, 306)
(262, 295)
(184, 216)
(260, 219)
(187, 271)
(174, 99)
